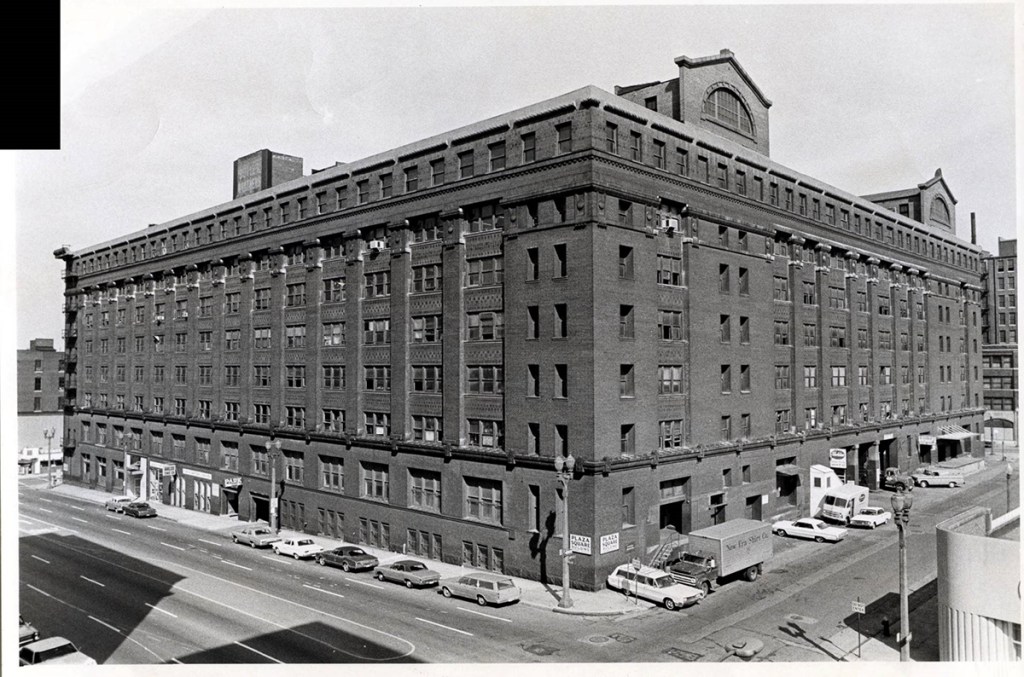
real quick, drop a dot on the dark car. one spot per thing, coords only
(407, 571)
(139, 510)
(348, 557)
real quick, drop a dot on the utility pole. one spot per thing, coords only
(901, 504)
(273, 448)
(49, 434)
(563, 468)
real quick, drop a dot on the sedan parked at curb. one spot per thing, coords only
(26, 633)
(53, 651)
(348, 557)
(117, 503)
(485, 588)
(297, 547)
(255, 536)
(654, 585)
(408, 571)
(870, 517)
(139, 509)
(811, 528)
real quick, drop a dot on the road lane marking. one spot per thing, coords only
(41, 592)
(154, 608)
(326, 592)
(148, 526)
(246, 646)
(122, 531)
(172, 546)
(113, 517)
(236, 565)
(270, 557)
(44, 561)
(133, 641)
(79, 519)
(92, 581)
(108, 625)
(203, 540)
(177, 661)
(178, 586)
(366, 583)
(78, 508)
(45, 499)
(51, 524)
(481, 613)
(46, 510)
(446, 627)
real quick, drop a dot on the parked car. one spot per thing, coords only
(654, 585)
(117, 503)
(870, 517)
(298, 547)
(255, 535)
(484, 587)
(26, 633)
(138, 509)
(348, 557)
(408, 571)
(809, 527)
(53, 651)
(931, 476)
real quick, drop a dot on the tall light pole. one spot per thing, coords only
(1009, 477)
(48, 434)
(901, 504)
(273, 449)
(563, 469)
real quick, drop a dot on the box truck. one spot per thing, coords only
(737, 546)
(843, 502)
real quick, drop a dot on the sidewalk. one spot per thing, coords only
(534, 593)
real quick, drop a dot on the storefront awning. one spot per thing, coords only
(954, 432)
(788, 469)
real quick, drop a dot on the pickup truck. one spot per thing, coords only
(932, 476)
(897, 480)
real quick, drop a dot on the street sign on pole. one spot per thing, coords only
(859, 608)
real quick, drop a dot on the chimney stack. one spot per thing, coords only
(974, 230)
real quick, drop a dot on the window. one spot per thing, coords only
(671, 434)
(377, 332)
(781, 333)
(412, 179)
(485, 379)
(782, 420)
(561, 261)
(376, 285)
(261, 338)
(466, 168)
(837, 337)
(659, 154)
(363, 191)
(295, 417)
(424, 490)
(334, 290)
(332, 473)
(682, 162)
(628, 507)
(811, 335)
(229, 456)
(485, 217)
(561, 317)
(295, 376)
(295, 294)
(377, 378)
(724, 107)
(723, 278)
(497, 152)
(838, 376)
(564, 134)
(885, 375)
(745, 378)
(232, 339)
(670, 271)
(232, 302)
(670, 325)
(810, 376)
(529, 147)
(426, 329)
(725, 328)
(231, 375)
(437, 172)
(480, 272)
(426, 379)
(626, 381)
(426, 278)
(670, 379)
(884, 339)
(625, 262)
(744, 282)
(627, 439)
(532, 264)
(484, 433)
(626, 326)
(483, 500)
(333, 420)
(781, 288)
(486, 326)
(333, 334)
(377, 424)
(426, 428)
(611, 135)
(782, 380)
(636, 147)
(295, 336)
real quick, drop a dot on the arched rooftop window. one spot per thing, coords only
(940, 212)
(726, 108)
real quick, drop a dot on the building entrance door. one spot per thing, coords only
(675, 515)
(753, 507)
(260, 508)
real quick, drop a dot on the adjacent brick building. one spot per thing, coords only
(999, 344)
(40, 378)
(625, 277)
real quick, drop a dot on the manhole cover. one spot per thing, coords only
(621, 638)
(797, 618)
(539, 649)
(682, 655)
(598, 639)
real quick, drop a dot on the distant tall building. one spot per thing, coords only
(628, 278)
(264, 169)
(40, 378)
(1000, 379)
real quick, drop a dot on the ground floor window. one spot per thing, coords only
(423, 543)
(377, 534)
(483, 556)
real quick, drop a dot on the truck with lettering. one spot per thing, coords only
(739, 546)
(841, 503)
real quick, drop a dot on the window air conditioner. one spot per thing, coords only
(376, 245)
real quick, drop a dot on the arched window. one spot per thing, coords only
(725, 107)
(940, 212)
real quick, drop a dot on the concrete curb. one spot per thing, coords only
(576, 612)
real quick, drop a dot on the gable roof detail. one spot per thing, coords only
(723, 56)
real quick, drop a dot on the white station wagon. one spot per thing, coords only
(653, 585)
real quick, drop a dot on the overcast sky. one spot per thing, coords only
(157, 104)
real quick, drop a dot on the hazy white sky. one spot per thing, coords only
(157, 104)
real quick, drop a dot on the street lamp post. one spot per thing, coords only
(49, 434)
(901, 504)
(563, 469)
(1009, 477)
(273, 449)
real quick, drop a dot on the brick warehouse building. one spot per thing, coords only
(627, 278)
(999, 344)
